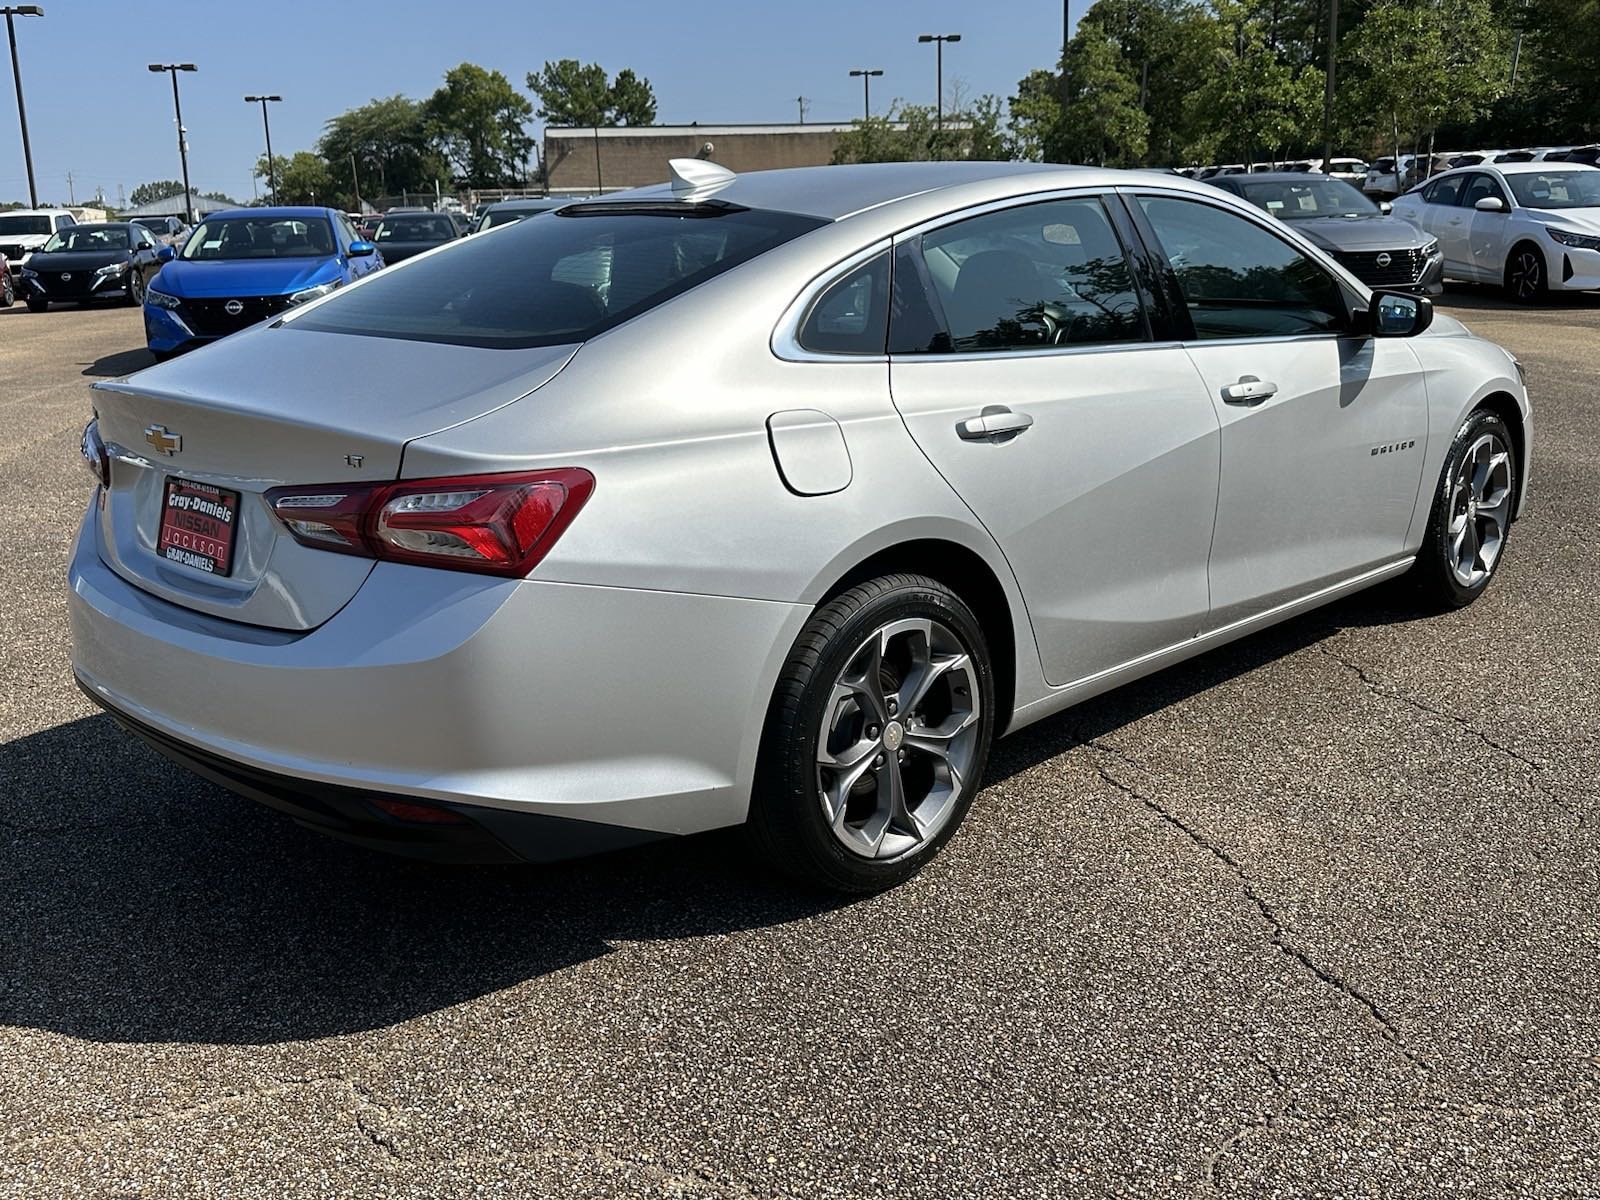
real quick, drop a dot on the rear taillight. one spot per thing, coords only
(497, 524)
(96, 460)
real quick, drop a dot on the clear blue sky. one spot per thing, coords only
(94, 109)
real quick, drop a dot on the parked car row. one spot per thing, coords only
(1385, 180)
(1529, 225)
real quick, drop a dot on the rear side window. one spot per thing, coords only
(1444, 191)
(1038, 275)
(852, 315)
(561, 279)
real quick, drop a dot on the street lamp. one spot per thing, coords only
(272, 168)
(866, 86)
(22, 10)
(939, 39)
(183, 146)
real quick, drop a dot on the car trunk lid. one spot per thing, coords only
(259, 410)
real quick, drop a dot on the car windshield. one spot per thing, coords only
(1556, 189)
(556, 281)
(415, 229)
(260, 237)
(87, 237)
(22, 226)
(1313, 198)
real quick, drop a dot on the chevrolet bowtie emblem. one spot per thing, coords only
(163, 439)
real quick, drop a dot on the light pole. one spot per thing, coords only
(867, 75)
(22, 10)
(939, 39)
(183, 145)
(272, 167)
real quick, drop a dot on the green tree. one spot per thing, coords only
(303, 178)
(912, 133)
(574, 94)
(148, 193)
(477, 120)
(1256, 102)
(393, 148)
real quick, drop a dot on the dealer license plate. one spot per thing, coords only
(197, 525)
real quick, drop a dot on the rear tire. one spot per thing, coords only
(876, 737)
(1526, 276)
(1471, 515)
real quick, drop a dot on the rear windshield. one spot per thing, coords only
(415, 229)
(563, 279)
(18, 226)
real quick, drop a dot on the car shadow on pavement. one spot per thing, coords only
(146, 905)
(123, 362)
(1488, 297)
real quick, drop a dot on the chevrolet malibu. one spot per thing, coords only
(768, 499)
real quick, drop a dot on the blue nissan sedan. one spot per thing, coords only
(245, 265)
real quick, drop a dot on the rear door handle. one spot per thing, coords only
(1249, 391)
(992, 421)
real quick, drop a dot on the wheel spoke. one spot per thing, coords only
(936, 740)
(916, 689)
(866, 680)
(891, 781)
(846, 776)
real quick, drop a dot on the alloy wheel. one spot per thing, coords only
(1527, 275)
(1480, 509)
(898, 738)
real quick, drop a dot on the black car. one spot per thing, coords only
(168, 231)
(400, 235)
(82, 263)
(1380, 250)
(508, 211)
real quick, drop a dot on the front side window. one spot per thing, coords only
(1046, 274)
(1556, 189)
(1480, 187)
(559, 280)
(259, 237)
(852, 315)
(1239, 280)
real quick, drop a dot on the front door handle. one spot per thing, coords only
(994, 420)
(1249, 391)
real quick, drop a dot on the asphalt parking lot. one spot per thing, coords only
(1314, 915)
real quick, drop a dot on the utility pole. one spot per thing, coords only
(72, 196)
(804, 103)
(22, 10)
(866, 75)
(938, 40)
(272, 167)
(355, 180)
(183, 142)
(1328, 94)
(1066, 40)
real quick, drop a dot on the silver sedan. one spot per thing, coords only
(767, 499)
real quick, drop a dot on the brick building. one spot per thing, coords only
(632, 157)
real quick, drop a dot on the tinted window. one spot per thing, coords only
(1444, 191)
(88, 237)
(852, 315)
(1239, 280)
(565, 279)
(1313, 198)
(64, 220)
(1050, 274)
(423, 228)
(1478, 187)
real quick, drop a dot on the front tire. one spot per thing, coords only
(877, 736)
(36, 305)
(135, 296)
(1471, 515)
(1526, 277)
(8, 294)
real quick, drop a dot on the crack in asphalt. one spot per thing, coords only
(1267, 1120)
(1282, 931)
(1535, 768)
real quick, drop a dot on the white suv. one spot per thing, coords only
(24, 230)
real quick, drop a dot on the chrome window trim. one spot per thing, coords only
(786, 335)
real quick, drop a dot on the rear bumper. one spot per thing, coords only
(629, 709)
(471, 835)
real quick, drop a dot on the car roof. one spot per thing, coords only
(836, 192)
(104, 224)
(302, 211)
(33, 212)
(1536, 167)
(1279, 177)
(538, 202)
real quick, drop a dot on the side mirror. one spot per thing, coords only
(362, 249)
(166, 254)
(1385, 207)
(1490, 204)
(1400, 314)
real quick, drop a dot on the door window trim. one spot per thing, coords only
(785, 341)
(1357, 296)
